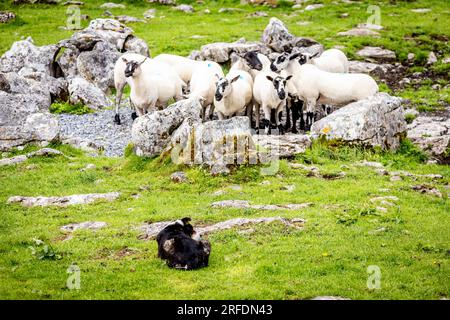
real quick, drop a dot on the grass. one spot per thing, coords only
(330, 256)
(344, 234)
(66, 107)
(404, 31)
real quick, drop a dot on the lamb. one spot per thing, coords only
(203, 87)
(186, 67)
(152, 83)
(233, 93)
(269, 91)
(314, 86)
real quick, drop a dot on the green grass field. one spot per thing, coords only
(343, 235)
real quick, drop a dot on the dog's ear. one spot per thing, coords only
(186, 220)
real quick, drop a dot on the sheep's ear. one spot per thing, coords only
(235, 79)
(217, 76)
(294, 56)
(124, 60)
(269, 78)
(186, 220)
(289, 77)
(143, 61)
(314, 55)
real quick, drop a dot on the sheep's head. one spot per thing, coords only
(252, 60)
(282, 61)
(223, 87)
(306, 57)
(279, 84)
(132, 68)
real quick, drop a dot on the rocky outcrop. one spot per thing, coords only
(86, 93)
(375, 121)
(152, 132)
(283, 146)
(7, 16)
(278, 38)
(244, 204)
(21, 158)
(76, 199)
(432, 135)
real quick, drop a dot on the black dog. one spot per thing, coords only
(181, 247)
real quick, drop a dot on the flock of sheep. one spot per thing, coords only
(301, 82)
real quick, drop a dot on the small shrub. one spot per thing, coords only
(410, 118)
(43, 251)
(66, 107)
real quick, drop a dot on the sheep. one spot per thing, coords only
(186, 67)
(269, 91)
(331, 60)
(120, 80)
(253, 62)
(152, 83)
(313, 86)
(203, 87)
(233, 93)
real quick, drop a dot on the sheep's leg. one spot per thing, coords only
(249, 113)
(279, 110)
(133, 114)
(211, 111)
(220, 115)
(257, 116)
(266, 121)
(119, 91)
(296, 114)
(310, 108)
(140, 111)
(289, 105)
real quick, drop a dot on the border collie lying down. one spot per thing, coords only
(181, 247)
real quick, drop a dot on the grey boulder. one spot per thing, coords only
(375, 121)
(84, 92)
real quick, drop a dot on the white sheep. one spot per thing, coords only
(314, 86)
(186, 67)
(269, 92)
(234, 93)
(331, 60)
(152, 83)
(202, 87)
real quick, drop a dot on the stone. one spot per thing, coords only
(425, 189)
(244, 204)
(151, 230)
(13, 160)
(432, 58)
(73, 3)
(128, 19)
(421, 10)
(63, 201)
(288, 188)
(112, 5)
(370, 26)
(7, 16)
(257, 14)
(367, 67)
(278, 38)
(431, 134)
(230, 10)
(375, 121)
(89, 225)
(179, 177)
(185, 8)
(313, 6)
(411, 56)
(376, 53)
(220, 52)
(165, 2)
(86, 93)
(151, 133)
(359, 32)
(329, 298)
(372, 164)
(150, 14)
(42, 126)
(283, 146)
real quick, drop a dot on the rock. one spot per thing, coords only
(431, 134)
(7, 16)
(4, 84)
(288, 188)
(151, 230)
(63, 201)
(313, 6)
(395, 178)
(436, 86)
(112, 5)
(150, 14)
(152, 132)
(278, 38)
(244, 204)
(42, 126)
(257, 14)
(215, 144)
(84, 92)
(372, 164)
(358, 32)
(421, 10)
(367, 67)
(283, 146)
(376, 53)
(90, 225)
(446, 60)
(219, 169)
(425, 189)
(16, 2)
(220, 52)
(375, 121)
(179, 177)
(411, 56)
(431, 58)
(73, 3)
(165, 2)
(370, 26)
(44, 152)
(56, 87)
(13, 160)
(329, 298)
(128, 19)
(185, 8)
(207, 11)
(296, 6)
